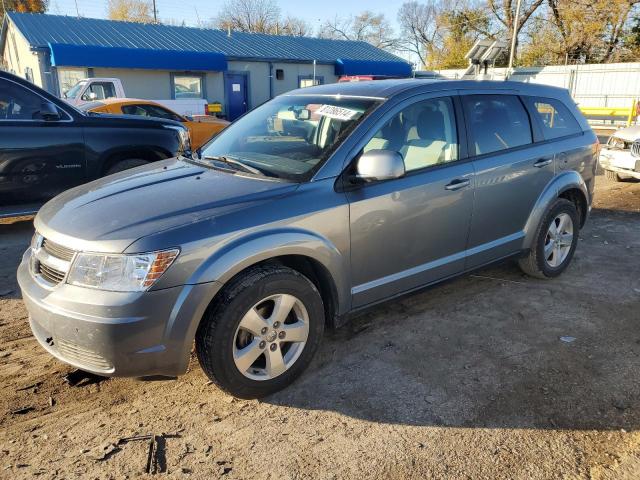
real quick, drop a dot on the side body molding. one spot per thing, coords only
(567, 180)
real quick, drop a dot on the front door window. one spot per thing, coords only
(424, 134)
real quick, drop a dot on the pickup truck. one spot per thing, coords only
(94, 89)
(48, 146)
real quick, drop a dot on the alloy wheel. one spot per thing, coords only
(271, 337)
(558, 240)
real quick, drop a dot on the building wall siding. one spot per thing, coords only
(292, 71)
(258, 80)
(19, 58)
(139, 83)
(214, 82)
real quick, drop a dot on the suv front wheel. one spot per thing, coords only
(554, 243)
(262, 332)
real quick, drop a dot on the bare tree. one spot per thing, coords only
(505, 12)
(419, 28)
(130, 10)
(255, 16)
(294, 26)
(366, 26)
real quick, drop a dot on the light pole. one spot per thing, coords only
(514, 38)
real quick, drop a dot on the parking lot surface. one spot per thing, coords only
(492, 375)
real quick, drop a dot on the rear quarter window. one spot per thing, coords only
(555, 118)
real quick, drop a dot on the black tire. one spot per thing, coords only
(612, 176)
(534, 264)
(216, 333)
(122, 165)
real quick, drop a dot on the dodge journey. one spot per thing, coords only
(319, 203)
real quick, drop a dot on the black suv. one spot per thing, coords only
(48, 146)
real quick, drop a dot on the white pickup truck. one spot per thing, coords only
(96, 89)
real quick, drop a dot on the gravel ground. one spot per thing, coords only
(493, 375)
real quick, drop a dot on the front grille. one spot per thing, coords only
(57, 250)
(50, 274)
(82, 356)
(50, 261)
(635, 149)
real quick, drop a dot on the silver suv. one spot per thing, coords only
(317, 204)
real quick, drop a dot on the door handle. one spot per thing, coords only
(457, 184)
(543, 162)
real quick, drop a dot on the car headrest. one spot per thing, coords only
(431, 125)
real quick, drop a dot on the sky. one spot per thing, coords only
(195, 11)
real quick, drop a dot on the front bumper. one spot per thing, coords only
(620, 161)
(116, 333)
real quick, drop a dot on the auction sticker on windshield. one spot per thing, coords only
(339, 113)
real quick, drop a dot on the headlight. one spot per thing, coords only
(184, 137)
(120, 273)
(36, 241)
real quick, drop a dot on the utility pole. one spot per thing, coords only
(514, 38)
(155, 12)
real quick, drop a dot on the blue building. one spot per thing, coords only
(239, 70)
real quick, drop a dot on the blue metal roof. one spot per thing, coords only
(117, 57)
(41, 30)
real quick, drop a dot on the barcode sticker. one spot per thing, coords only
(339, 113)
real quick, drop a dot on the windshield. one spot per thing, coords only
(291, 136)
(73, 91)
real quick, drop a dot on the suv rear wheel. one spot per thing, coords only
(554, 243)
(262, 332)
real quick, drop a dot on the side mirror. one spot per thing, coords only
(376, 165)
(49, 112)
(92, 96)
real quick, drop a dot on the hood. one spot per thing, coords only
(629, 134)
(103, 119)
(109, 214)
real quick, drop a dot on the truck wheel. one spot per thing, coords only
(262, 332)
(554, 243)
(612, 176)
(122, 165)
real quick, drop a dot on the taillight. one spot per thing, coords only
(206, 109)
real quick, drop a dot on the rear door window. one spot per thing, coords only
(557, 121)
(496, 122)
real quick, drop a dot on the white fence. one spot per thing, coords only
(597, 85)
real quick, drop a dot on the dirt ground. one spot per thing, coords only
(493, 375)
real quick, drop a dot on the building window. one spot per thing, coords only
(279, 74)
(308, 81)
(188, 86)
(68, 77)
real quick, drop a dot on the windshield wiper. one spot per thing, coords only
(239, 165)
